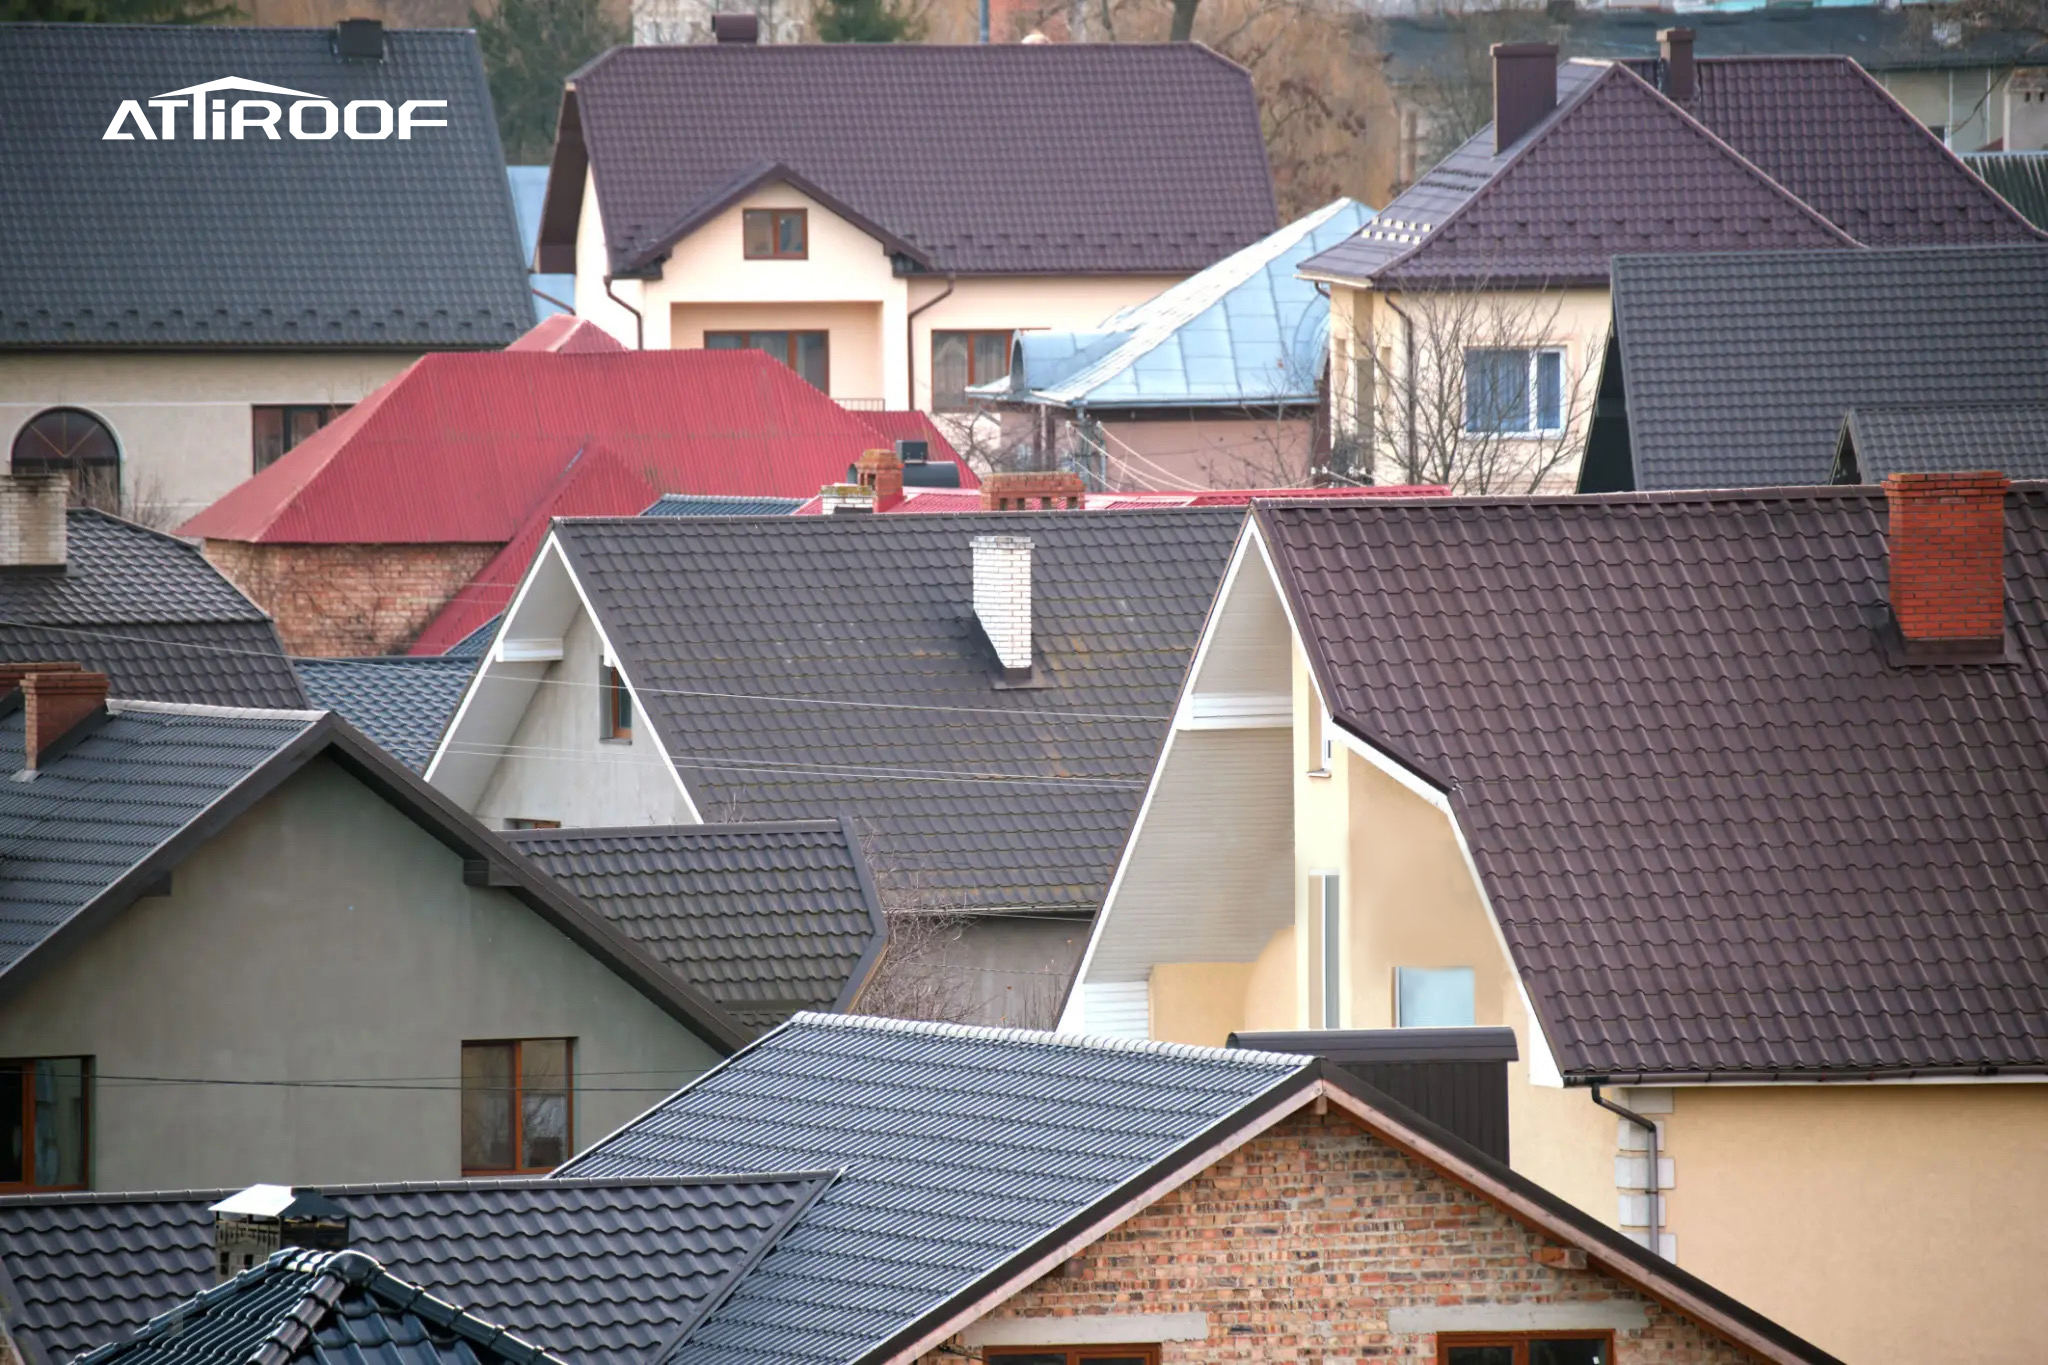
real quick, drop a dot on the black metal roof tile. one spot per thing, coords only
(1879, 439)
(403, 702)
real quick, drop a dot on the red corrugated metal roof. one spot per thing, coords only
(463, 447)
(566, 334)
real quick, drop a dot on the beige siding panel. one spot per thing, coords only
(1250, 642)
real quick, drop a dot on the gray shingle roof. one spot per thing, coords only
(781, 702)
(402, 702)
(596, 1272)
(1721, 833)
(1879, 439)
(961, 1147)
(714, 505)
(148, 611)
(406, 244)
(1739, 369)
(765, 919)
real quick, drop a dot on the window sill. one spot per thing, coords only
(614, 739)
(1317, 772)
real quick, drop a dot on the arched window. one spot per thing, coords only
(72, 441)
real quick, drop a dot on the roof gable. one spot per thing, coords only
(1880, 439)
(1151, 161)
(403, 243)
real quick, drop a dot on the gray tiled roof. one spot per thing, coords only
(879, 698)
(712, 505)
(1721, 832)
(1739, 368)
(1889, 438)
(402, 702)
(148, 611)
(596, 1272)
(765, 919)
(961, 1147)
(407, 244)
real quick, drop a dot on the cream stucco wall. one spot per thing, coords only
(1204, 452)
(283, 952)
(182, 421)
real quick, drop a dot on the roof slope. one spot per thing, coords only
(148, 611)
(765, 919)
(1246, 330)
(403, 704)
(961, 1146)
(1880, 439)
(1150, 159)
(688, 505)
(591, 1271)
(881, 698)
(1739, 368)
(2021, 178)
(400, 243)
(1700, 858)
(476, 440)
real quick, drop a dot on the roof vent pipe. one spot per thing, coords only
(359, 40)
(1675, 46)
(1524, 89)
(1002, 600)
(32, 520)
(1947, 548)
(736, 29)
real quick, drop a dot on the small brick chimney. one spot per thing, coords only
(1947, 541)
(741, 29)
(32, 520)
(1674, 45)
(1022, 492)
(881, 473)
(55, 700)
(1524, 89)
(1002, 600)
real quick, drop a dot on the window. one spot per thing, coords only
(72, 441)
(1432, 997)
(961, 360)
(616, 721)
(44, 1115)
(1514, 390)
(808, 353)
(516, 1106)
(775, 234)
(1328, 907)
(523, 822)
(1073, 1355)
(1526, 1348)
(275, 428)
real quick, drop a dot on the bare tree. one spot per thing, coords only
(140, 500)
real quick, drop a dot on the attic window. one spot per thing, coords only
(616, 719)
(776, 234)
(517, 1106)
(44, 1113)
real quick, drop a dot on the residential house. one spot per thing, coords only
(401, 703)
(884, 218)
(1216, 383)
(1468, 320)
(981, 696)
(488, 449)
(1738, 371)
(1723, 802)
(185, 302)
(137, 605)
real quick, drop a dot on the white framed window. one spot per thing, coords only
(1326, 902)
(1514, 389)
(1433, 997)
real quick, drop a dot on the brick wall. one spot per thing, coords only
(349, 599)
(1299, 1244)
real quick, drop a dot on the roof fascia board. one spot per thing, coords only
(863, 970)
(1730, 1080)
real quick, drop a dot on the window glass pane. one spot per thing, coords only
(811, 360)
(13, 1126)
(1435, 997)
(789, 234)
(1027, 1357)
(1567, 1351)
(267, 435)
(991, 357)
(1496, 391)
(757, 228)
(544, 1102)
(487, 1106)
(949, 370)
(60, 1121)
(725, 341)
(1549, 390)
(1480, 1355)
(303, 422)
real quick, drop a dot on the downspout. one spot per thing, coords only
(1650, 1128)
(910, 343)
(639, 323)
(1407, 380)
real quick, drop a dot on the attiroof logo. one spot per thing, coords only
(200, 116)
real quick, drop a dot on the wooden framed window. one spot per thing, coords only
(960, 360)
(776, 234)
(615, 718)
(1514, 390)
(1147, 1354)
(45, 1124)
(808, 353)
(73, 442)
(518, 1106)
(276, 427)
(1525, 1348)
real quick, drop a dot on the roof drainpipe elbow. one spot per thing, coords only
(639, 322)
(1652, 1186)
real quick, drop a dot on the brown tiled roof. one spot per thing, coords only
(1720, 833)
(1056, 158)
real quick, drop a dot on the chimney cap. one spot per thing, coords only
(359, 40)
(736, 29)
(279, 1201)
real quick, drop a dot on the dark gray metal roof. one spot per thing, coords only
(765, 919)
(1738, 369)
(961, 1147)
(147, 610)
(401, 244)
(714, 505)
(402, 702)
(2020, 177)
(800, 667)
(596, 1272)
(1878, 439)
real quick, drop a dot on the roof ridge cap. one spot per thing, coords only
(1042, 1038)
(131, 705)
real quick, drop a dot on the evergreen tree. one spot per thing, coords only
(530, 47)
(866, 21)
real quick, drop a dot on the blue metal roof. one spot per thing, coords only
(529, 188)
(1246, 331)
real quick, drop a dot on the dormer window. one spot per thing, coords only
(776, 234)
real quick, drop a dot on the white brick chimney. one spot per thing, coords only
(1002, 599)
(32, 508)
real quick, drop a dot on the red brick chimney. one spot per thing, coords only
(1021, 492)
(1948, 561)
(56, 700)
(881, 473)
(1524, 89)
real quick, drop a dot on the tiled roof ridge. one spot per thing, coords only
(703, 829)
(1669, 497)
(1290, 1061)
(1956, 405)
(1828, 260)
(344, 1191)
(1030, 517)
(924, 51)
(121, 705)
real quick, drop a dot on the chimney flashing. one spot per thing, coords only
(1945, 549)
